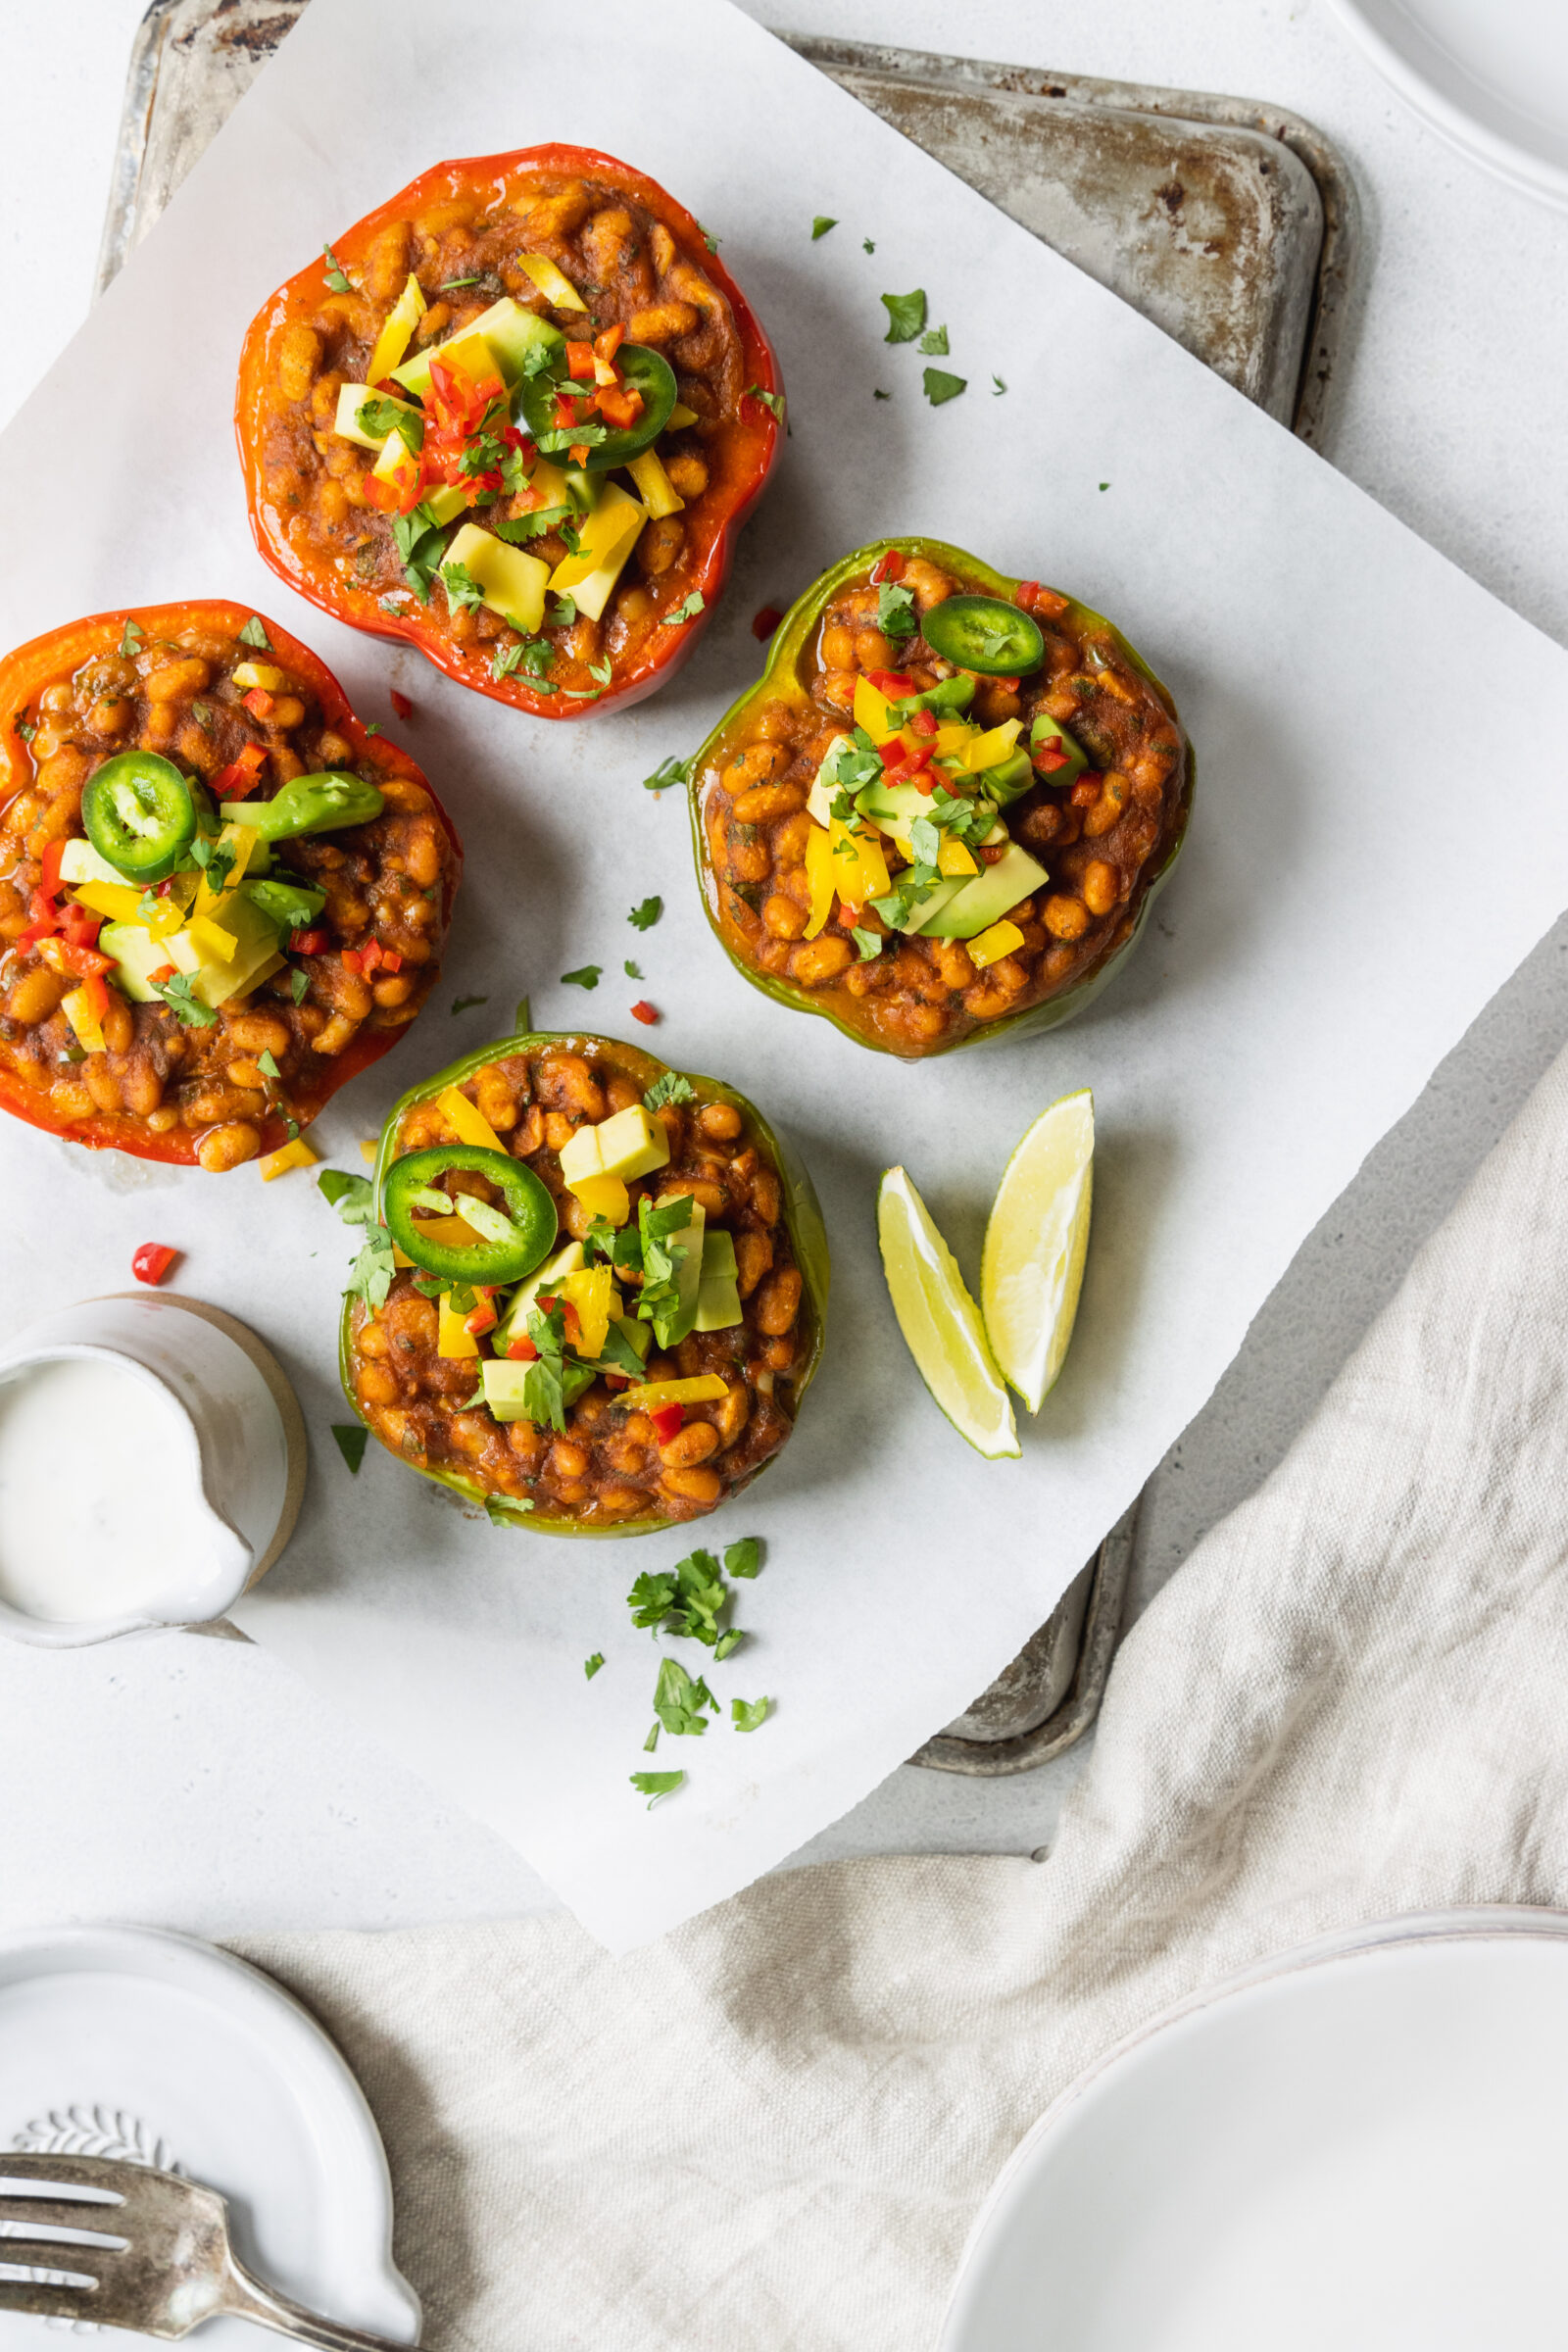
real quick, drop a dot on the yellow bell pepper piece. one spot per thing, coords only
(658, 493)
(993, 945)
(117, 899)
(247, 675)
(240, 842)
(453, 1233)
(212, 943)
(466, 1120)
(820, 873)
(397, 331)
(951, 738)
(860, 868)
(555, 288)
(594, 1294)
(78, 1011)
(452, 1339)
(954, 859)
(871, 712)
(295, 1154)
(603, 1197)
(645, 1395)
(368, 1148)
(984, 751)
(679, 417)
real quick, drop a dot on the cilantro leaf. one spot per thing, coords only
(601, 670)
(570, 436)
(820, 226)
(463, 592)
(1000, 387)
(267, 1064)
(651, 1599)
(187, 1008)
(1104, 485)
(335, 277)
(254, 633)
(654, 1785)
(709, 239)
(585, 977)
(563, 612)
(299, 982)
(679, 1700)
(895, 610)
(450, 285)
(351, 1438)
(940, 386)
(668, 771)
(905, 316)
(671, 1087)
(633, 972)
(644, 917)
(688, 609)
(371, 1275)
(496, 1506)
(868, 943)
(744, 1557)
(727, 1641)
(351, 1195)
(131, 640)
(866, 245)
(591, 1666)
(747, 1713)
(24, 726)
(420, 541)
(773, 402)
(935, 344)
(531, 658)
(518, 528)
(379, 416)
(462, 1003)
(881, 395)
(544, 1398)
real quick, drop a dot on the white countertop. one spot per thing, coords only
(192, 1782)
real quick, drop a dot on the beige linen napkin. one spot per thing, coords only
(773, 2129)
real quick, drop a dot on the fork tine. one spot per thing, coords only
(102, 2174)
(55, 2254)
(58, 2213)
(44, 2302)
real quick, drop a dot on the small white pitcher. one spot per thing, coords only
(247, 1449)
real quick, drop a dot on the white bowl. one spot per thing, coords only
(245, 1432)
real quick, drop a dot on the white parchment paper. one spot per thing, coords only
(1381, 834)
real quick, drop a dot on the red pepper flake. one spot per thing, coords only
(521, 1351)
(924, 723)
(666, 1420)
(234, 782)
(152, 1261)
(400, 704)
(764, 622)
(1008, 685)
(619, 404)
(848, 916)
(642, 1011)
(308, 942)
(887, 567)
(1086, 792)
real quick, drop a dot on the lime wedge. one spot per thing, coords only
(940, 1321)
(1032, 1266)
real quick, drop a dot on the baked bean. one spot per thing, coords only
(767, 1202)
(497, 1098)
(661, 322)
(709, 1198)
(779, 1301)
(569, 1460)
(228, 1146)
(753, 1256)
(34, 995)
(687, 476)
(693, 1444)
(719, 1120)
(819, 960)
(377, 1384)
(1064, 917)
(660, 545)
(143, 1090)
(698, 1485)
(1107, 808)
(783, 917)
(1101, 886)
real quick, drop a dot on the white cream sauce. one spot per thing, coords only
(100, 1504)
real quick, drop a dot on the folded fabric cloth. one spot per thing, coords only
(773, 2129)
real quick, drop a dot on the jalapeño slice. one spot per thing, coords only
(139, 814)
(513, 1239)
(646, 371)
(983, 634)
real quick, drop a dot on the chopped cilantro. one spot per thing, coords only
(652, 1740)
(866, 245)
(463, 592)
(24, 726)
(372, 728)
(450, 285)
(496, 1506)
(644, 917)
(879, 394)
(591, 1666)
(870, 943)
(563, 612)
(351, 1438)
(773, 402)
(905, 316)
(747, 1713)
(895, 610)
(266, 1063)
(131, 640)
(671, 1087)
(601, 670)
(462, 1003)
(585, 977)
(940, 386)
(935, 344)
(520, 527)
(530, 657)
(633, 972)
(298, 982)
(820, 226)
(570, 436)
(371, 1275)
(744, 1557)
(709, 239)
(395, 601)
(1104, 485)
(202, 713)
(186, 1008)
(668, 771)
(687, 610)
(679, 1700)
(420, 540)
(1000, 387)
(252, 633)
(654, 1785)
(336, 277)
(353, 1196)
(378, 417)
(523, 1021)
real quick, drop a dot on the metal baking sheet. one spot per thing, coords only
(1232, 226)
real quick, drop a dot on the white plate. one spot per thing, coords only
(1490, 75)
(1363, 2145)
(121, 2041)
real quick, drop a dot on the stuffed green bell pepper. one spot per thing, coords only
(602, 1290)
(944, 810)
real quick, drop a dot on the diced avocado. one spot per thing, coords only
(688, 1240)
(351, 399)
(514, 1321)
(255, 954)
(719, 1298)
(510, 331)
(397, 331)
(893, 809)
(80, 862)
(447, 501)
(639, 1336)
(136, 953)
(1010, 777)
(184, 954)
(819, 800)
(504, 1382)
(975, 905)
(632, 1144)
(922, 918)
(1047, 731)
(657, 492)
(510, 581)
(608, 536)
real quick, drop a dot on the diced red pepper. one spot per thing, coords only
(88, 966)
(891, 682)
(1023, 596)
(848, 915)
(152, 1261)
(666, 1419)
(580, 451)
(95, 995)
(352, 961)
(1048, 755)
(580, 363)
(234, 782)
(370, 955)
(391, 961)
(568, 1316)
(617, 1380)
(259, 702)
(400, 704)
(483, 1318)
(165, 971)
(904, 766)
(522, 1352)
(764, 622)
(567, 412)
(1086, 792)
(924, 723)
(309, 943)
(54, 851)
(1007, 685)
(80, 926)
(887, 567)
(642, 1011)
(619, 404)
(607, 345)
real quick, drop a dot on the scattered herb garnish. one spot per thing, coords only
(747, 1713)
(450, 285)
(420, 540)
(496, 1506)
(131, 640)
(940, 386)
(935, 344)
(601, 670)
(529, 659)
(186, 1008)
(820, 226)
(679, 1700)
(371, 1275)
(1104, 485)
(744, 1557)
(633, 972)
(24, 726)
(709, 239)
(299, 982)
(252, 633)
(267, 1064)
(866, 245)
(563, 612)
(518, 528)
(654, 1785)
(591, 1666)
(773, 402)
(688, 609)
(351, 1195)
(644, 917)
(905, 316)
(336, 277)
(668, 771)
(879, 394)
(671, 1087)
(379, 416)
(351, 1438)
(1000, 387)
(869, 944)
(463, 592)
(585, 977)
(462, 1003)
(895, 610)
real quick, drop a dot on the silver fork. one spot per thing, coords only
(145, 2250)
